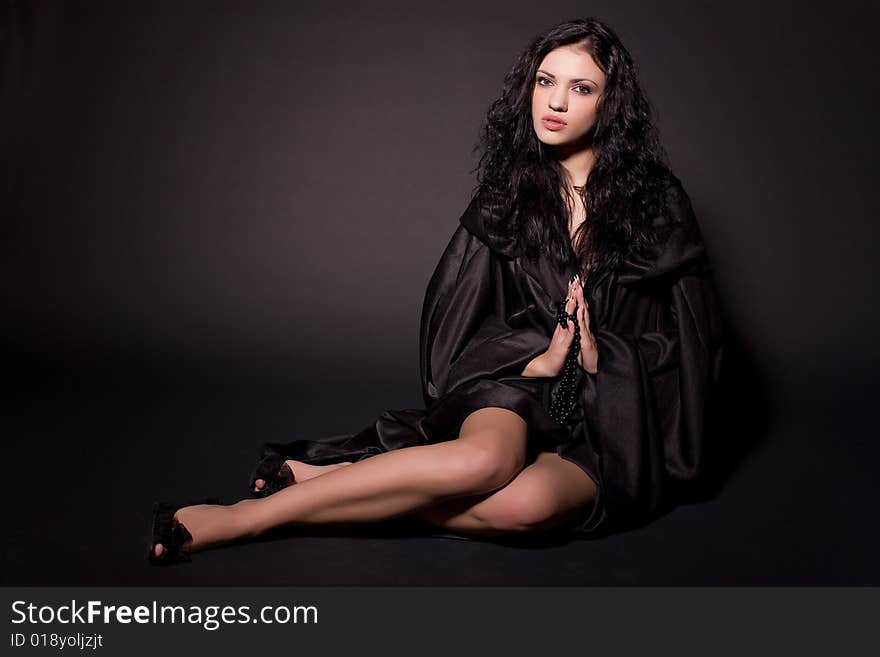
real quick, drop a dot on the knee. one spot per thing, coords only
(480, 469)
(524, 508)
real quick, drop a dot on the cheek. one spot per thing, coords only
(588, 117)
(540, 95)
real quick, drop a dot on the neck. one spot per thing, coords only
(576, 163)
(577, 167)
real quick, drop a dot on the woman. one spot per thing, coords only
(570, 337)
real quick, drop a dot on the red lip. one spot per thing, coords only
(550, 117)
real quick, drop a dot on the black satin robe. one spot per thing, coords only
(639, 429)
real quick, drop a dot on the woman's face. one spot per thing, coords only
(567, 86)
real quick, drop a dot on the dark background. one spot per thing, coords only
(219, 219)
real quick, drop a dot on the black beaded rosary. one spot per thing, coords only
(564, 398)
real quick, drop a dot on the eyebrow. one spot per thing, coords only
(574, 80)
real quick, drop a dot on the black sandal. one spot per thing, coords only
(174, 537)
(276, 474)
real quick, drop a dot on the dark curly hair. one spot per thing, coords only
(520, 178)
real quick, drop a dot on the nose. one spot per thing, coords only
(559, 99)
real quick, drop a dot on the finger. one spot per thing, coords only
(582, 322)
(570, 309)
(579, 293)
(585, 317)
(576, 305)
(571, 300)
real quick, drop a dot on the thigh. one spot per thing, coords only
(498, 431)
(564, 484)
(547, 493)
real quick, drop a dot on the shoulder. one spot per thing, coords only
(480, 218)
(679, 245)
(678, 208)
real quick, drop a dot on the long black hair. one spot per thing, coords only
(626, 184)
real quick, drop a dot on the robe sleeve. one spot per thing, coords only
(649, 401)
(475, 339)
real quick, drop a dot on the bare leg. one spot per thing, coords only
(488, 453)
(550, 491)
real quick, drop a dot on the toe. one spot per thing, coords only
(158, 549)
(259, 483)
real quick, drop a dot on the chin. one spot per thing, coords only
(578, 143)
(548, 136)
(554, 140)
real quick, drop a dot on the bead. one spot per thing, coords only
(564, 399)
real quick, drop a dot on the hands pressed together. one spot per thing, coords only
(550, 363)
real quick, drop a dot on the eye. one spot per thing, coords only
(587, 91)
(541, 80)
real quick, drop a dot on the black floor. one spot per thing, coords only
(84, 466)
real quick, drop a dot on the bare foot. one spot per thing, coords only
(304, 471)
